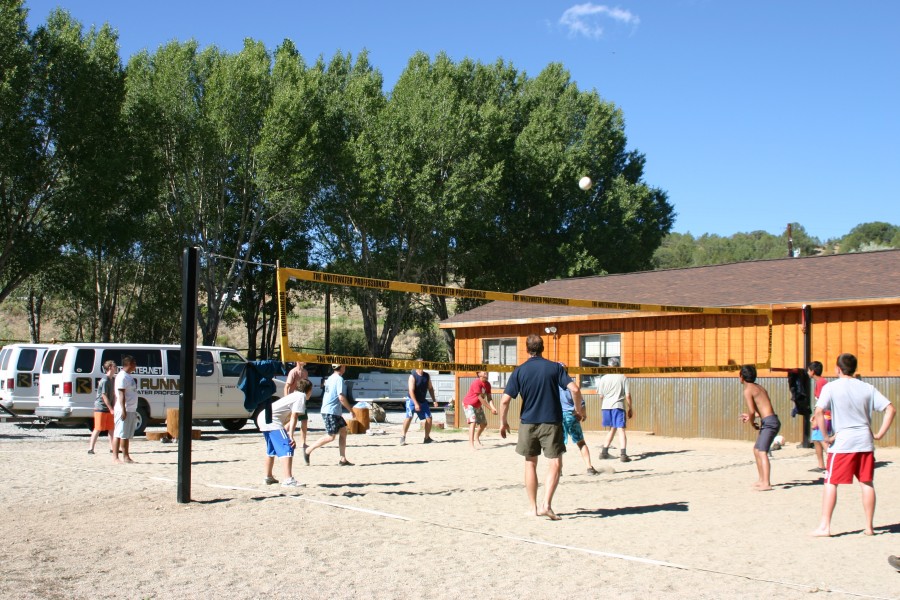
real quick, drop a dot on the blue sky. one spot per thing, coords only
(751, 114)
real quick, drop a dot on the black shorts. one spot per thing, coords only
(333, 423)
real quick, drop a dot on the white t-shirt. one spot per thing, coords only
(126, 381)
(281, 411)
(614, 388)
(851, 403)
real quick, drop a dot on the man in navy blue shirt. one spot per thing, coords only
(537, 381)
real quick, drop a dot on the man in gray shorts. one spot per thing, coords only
(538, 381)
(758, 404)
(125, 410)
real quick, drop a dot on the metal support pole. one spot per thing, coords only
(807, 358)
(188, 370)
(327, 320)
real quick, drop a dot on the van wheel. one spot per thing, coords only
(143, 419)
(233, 424)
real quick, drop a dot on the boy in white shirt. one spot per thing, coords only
(280, 441)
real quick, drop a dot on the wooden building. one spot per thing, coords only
(821, 306)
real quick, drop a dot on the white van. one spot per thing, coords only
(70, 374)
(393, 388)
(20, 367)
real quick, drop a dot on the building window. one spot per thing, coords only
(596, 350)
(499, 352)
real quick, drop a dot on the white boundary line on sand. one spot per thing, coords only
(536, 542)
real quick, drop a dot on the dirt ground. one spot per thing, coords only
(430, 521)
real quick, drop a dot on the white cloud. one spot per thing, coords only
(587, 19)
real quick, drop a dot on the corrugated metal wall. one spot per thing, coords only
(705, 407)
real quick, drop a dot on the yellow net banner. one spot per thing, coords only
(289, 354)
(451, 292)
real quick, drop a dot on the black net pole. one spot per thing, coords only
(188, 371)
(807, 358)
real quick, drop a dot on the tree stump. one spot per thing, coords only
(362, 415)
(172, 417)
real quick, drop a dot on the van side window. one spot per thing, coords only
(4, 357)
(47, 367)
(173, 358)
(58, 362)
(205, 366)
(149, 362)
(84, 360)
(232, 364)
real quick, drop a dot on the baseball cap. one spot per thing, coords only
(335, 367)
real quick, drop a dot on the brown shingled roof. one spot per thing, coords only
(811, 279)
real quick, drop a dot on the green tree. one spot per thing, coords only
(204, 114)
(60, 91)
(876, 235)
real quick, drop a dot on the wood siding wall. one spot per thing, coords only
(872, 333)
(690, 407)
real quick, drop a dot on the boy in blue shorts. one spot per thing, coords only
(817, 437)
(572, 426)
(280, 442)
(616, 397)
(419, 385)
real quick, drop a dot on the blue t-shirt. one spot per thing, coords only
(334, 387)
(566, 400)
(538, 381)
(420, 386)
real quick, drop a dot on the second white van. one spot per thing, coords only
(20, 368)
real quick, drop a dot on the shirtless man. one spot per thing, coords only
(758, 404)
(294, 377)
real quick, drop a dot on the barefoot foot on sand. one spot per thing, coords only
(548, 512)
(820, 532)
(763, 488)
(869, 531)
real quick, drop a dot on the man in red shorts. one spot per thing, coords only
(852, 447)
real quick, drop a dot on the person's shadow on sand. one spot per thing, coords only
(628, 510)
(791, 484)
(646, 455)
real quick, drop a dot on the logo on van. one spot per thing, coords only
(148, 370)
(149, 387)
(23, 380)
(83, 385)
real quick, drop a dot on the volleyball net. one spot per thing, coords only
(292, 348)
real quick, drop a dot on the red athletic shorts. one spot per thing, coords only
(843, 467)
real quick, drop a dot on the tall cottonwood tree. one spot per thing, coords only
(204, 113)
(60, 94)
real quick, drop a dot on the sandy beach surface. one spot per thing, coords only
(430, 521)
